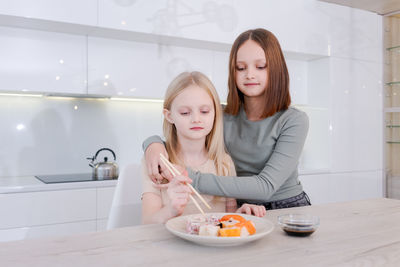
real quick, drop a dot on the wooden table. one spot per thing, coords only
(356, 233)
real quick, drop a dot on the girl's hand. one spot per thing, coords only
(251, 209)
(178, 192)
(155, 168)
(182, 170)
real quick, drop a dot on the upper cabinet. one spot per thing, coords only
(134, 48)
(222, 21)
(71, 11)
(136, 69)
(39, 61)
(214, 21)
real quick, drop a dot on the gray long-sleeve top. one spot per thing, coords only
(266, 155)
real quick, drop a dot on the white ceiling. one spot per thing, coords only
(382, 7)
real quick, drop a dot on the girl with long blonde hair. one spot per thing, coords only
(193, 129)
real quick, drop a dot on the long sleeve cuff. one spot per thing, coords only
(150, 140)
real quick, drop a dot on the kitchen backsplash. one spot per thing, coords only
(50, 135)
(55, 135)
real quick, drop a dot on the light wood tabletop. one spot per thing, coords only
(356, 233)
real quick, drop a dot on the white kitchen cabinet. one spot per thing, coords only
(54, 213)
(50, 207)
(61, 229)
(200, 20)
(58, 63)
(128, 15)
(105, 197)
(125, 68)
(39, 61)
(354, 131)
(220, 73)
(338, 187)
(301, 26)
(72, 11)
(351, 32)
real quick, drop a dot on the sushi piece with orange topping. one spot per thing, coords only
(231, 220)
(231, 231)
(236, 225)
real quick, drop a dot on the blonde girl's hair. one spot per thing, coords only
(214, 140)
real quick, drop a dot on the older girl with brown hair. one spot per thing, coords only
(263, 134)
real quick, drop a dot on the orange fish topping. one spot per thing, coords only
(235, 231)
(235, 217)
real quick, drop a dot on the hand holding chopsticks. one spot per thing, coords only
(175, 172)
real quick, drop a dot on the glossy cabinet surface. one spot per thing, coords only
(72, 11)
(38, 61)
(104, 200)
(54, 213)
(203, 20)
(39, 208)
(338, 187)
(61, 229)
(124, 68)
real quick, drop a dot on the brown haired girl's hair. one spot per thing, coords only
(276, 95)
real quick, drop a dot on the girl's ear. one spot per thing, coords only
(167, 115)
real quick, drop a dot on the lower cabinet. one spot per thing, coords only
(338, 187)
(52, 230)
(54, 213)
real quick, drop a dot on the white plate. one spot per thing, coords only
(177, 226)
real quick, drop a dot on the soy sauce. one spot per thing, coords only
(296, 232)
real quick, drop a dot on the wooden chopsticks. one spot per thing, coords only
(175, 172)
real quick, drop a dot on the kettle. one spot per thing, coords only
(105, 169)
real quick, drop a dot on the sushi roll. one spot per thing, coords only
(231, 220)
(209, 230)
(247, 228)
(193, 224)
(212, 219)
(229, 232)
(236, 225)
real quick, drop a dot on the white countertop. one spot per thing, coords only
(23, 184)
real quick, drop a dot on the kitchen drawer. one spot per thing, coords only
(49, 207)
(104, 200)
(62, 229)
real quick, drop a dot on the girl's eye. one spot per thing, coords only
(261, 67)
(184, 113)
(240, 68)
(205, 111)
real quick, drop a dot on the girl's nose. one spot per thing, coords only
(195, 117)
(250, 73)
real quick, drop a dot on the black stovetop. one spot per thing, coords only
(67, 178)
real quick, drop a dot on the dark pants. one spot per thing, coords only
(296, 201)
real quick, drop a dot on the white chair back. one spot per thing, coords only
(126, 206)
